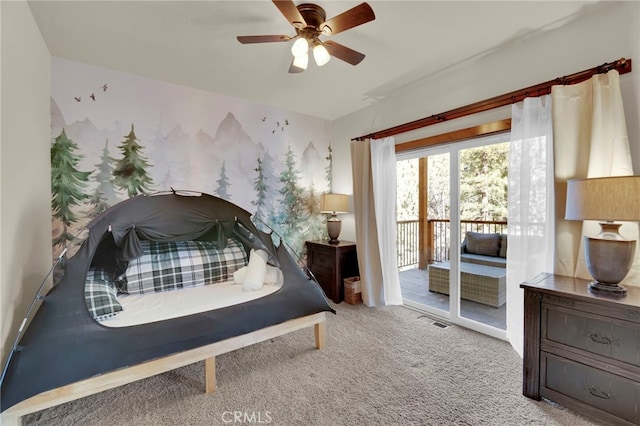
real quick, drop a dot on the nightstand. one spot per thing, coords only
(582, 350)
(331, 264)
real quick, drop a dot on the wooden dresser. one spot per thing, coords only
(331, 264)
(582, 350)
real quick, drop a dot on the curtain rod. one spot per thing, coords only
(622, 65)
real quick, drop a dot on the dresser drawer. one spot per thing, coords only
(615, 339)
(323, 275)
(608, 392)
(319, 257)
(622, 312)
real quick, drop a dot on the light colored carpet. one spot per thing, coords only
(386, 366)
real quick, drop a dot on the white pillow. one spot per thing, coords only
(256, 270)
(238, 275)
(273, 275)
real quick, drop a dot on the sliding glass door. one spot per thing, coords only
(483, 226)
(457, 197)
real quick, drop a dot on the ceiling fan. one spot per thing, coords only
(309, 21)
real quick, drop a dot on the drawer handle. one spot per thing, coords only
(596, 337)
(598, 393)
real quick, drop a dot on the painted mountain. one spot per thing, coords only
(228, 164)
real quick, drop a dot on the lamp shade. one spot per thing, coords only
(614, 198)
(321, 55)
(608, 255)
(334, 203)
(301, 61)
(300, 47)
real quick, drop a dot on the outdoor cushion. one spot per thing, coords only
(503, 246)
(480, 259)
(480, 243)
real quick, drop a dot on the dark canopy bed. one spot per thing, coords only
(66, 354)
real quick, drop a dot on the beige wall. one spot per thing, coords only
(600, 33)
(25, 193)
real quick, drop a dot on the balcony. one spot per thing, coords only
(435, 245)
(416, 250)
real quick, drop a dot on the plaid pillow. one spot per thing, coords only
(172, 265)
(100, 295)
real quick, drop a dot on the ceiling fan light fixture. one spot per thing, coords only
(310, 22)
(321, 54)
(300, 47)
(301, 61)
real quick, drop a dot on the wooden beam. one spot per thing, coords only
(210, 375)
(320, 330)
(486, 129)
(425, 247)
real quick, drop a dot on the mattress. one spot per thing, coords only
(147, 308)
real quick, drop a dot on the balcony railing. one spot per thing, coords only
(408, 245)
(437, 239)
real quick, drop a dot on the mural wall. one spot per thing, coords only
(117, 135)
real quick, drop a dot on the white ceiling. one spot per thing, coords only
(194, 43)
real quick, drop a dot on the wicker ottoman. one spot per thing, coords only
(478, 283)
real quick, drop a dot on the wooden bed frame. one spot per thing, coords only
(123, 376)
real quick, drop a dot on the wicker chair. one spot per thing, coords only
(478, 283)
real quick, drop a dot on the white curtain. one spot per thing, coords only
(374, 199)
(531, 212)
(590, 141)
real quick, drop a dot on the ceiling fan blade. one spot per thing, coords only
(291, 12)
(353, 17)
(343, 52)
(262, 38)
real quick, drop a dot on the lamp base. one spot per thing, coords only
(607, 289)
(609, 257)
(334, 226)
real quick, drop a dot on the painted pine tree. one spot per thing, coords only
(67, 184)
(272, 194)
(130, 173)
(292, 215)
(316, 228)
(260, 186)
(222, 190)
(329, 170)
(104, 195)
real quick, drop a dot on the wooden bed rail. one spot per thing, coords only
(151, 368)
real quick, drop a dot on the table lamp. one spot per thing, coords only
(334, 203)
(608, 255)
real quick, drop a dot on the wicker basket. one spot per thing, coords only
(352, 290)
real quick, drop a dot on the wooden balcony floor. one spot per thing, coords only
(415, 287)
